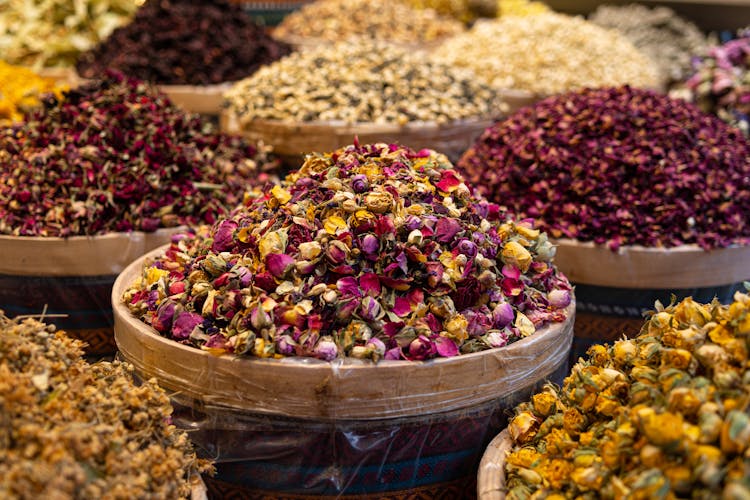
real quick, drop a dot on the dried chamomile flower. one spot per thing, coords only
(548, 53)
(661, 416)
(372, 251)
(75, 430)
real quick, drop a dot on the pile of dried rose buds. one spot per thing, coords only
(618, 166)
(78, 430)
(373, 251)
(115, 155)
(663, 415)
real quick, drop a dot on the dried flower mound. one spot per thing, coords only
(520, 8)
(548, 53)
(75, 430)
(372, 251)
(20, 91)
(45, 33)
(115, 155)
(618, 166)
(360, 82)
(386, 20)
(185, 42)
(661, 416)
(668, 39)
(720, 82)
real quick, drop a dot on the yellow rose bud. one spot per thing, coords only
(516, 255)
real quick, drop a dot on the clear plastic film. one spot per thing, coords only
(298, 426)
(70, 279)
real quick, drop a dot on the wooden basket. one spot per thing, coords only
(206, 100)
(306, 428)
(71, 279)
(293, 140)
(491, 476)
(615, 289)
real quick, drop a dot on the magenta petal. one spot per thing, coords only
(393, 354)
(402, 306)
(224, 236)
(392, 328)
(446, 347)
(511, 272)
(185, 323)
(278, 264)
(448, 181)
(370, 284)
(348, 287)
(445, 229)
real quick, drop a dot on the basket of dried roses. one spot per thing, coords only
(96, 179)
(359, 330)
(645, 197)
(658, 416)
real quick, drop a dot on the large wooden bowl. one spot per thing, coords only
(206, 100)
(615, 289)
(687, 266)
(70, 279)
(293, 140)
(491, 476)
(343, 389)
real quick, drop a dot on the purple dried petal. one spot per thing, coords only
(184, 324)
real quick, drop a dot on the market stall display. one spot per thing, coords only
(319, 99)
(95, 175)
(369, 294)
(635, 187)
(546, 54)
(78, 430)
(659, 416)
(394, 21)
(720, 82)
(52, 33)
(668, 39)
(21, 90)
(192, 50)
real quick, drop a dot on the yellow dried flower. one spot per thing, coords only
(20, 91)
(516, 255)
(523, 427)
(544, 403)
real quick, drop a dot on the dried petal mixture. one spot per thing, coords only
(618, 166)
(362, 82)
(548, 53)
(115, 155)
(386, 20)
(74, 430)
(371, 251)
(664, 415)
(185, 42)
(20, 91)
(45, 33)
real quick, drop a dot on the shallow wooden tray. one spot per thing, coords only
(491, 476)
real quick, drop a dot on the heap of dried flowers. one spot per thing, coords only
(371, 251)
(387, 20)
(20, 91)
(185, 42)
(360, 82)
(618, 166)
(720, 83)
(115, 155)
(548, 53)
(660, 416)
(44, 33)
(74, 430)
